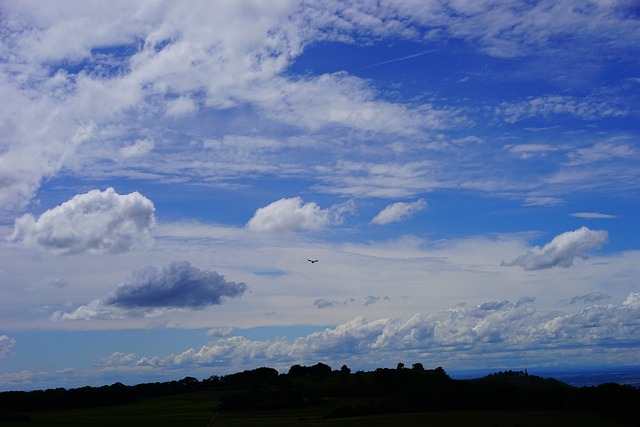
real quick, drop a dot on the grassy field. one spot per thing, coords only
(196, 409)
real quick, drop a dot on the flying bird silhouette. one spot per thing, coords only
(312, 260)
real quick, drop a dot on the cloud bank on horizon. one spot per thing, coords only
(501, 331)
(440, 158)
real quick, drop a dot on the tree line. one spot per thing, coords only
(383, 390)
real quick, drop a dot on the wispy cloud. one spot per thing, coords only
(526, 151)
(138, 148)
(398, 211)
(602, 151)
(593, 215)
(553, 105)
(543, 201)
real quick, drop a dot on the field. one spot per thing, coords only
(196, 409)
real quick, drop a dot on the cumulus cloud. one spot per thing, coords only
(149, 291)
(562, 250)
(96, 222)
(398, 212)
(295, 215)
(6, 343)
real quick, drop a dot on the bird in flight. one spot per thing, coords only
(312, 260)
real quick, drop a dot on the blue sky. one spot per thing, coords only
(466, 173)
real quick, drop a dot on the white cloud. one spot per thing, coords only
(398, 211)
(562, 250)
(96, 222)
(6, 343)
(295, 215)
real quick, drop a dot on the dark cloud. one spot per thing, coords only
(178, 285)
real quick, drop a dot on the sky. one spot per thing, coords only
(466, 173)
